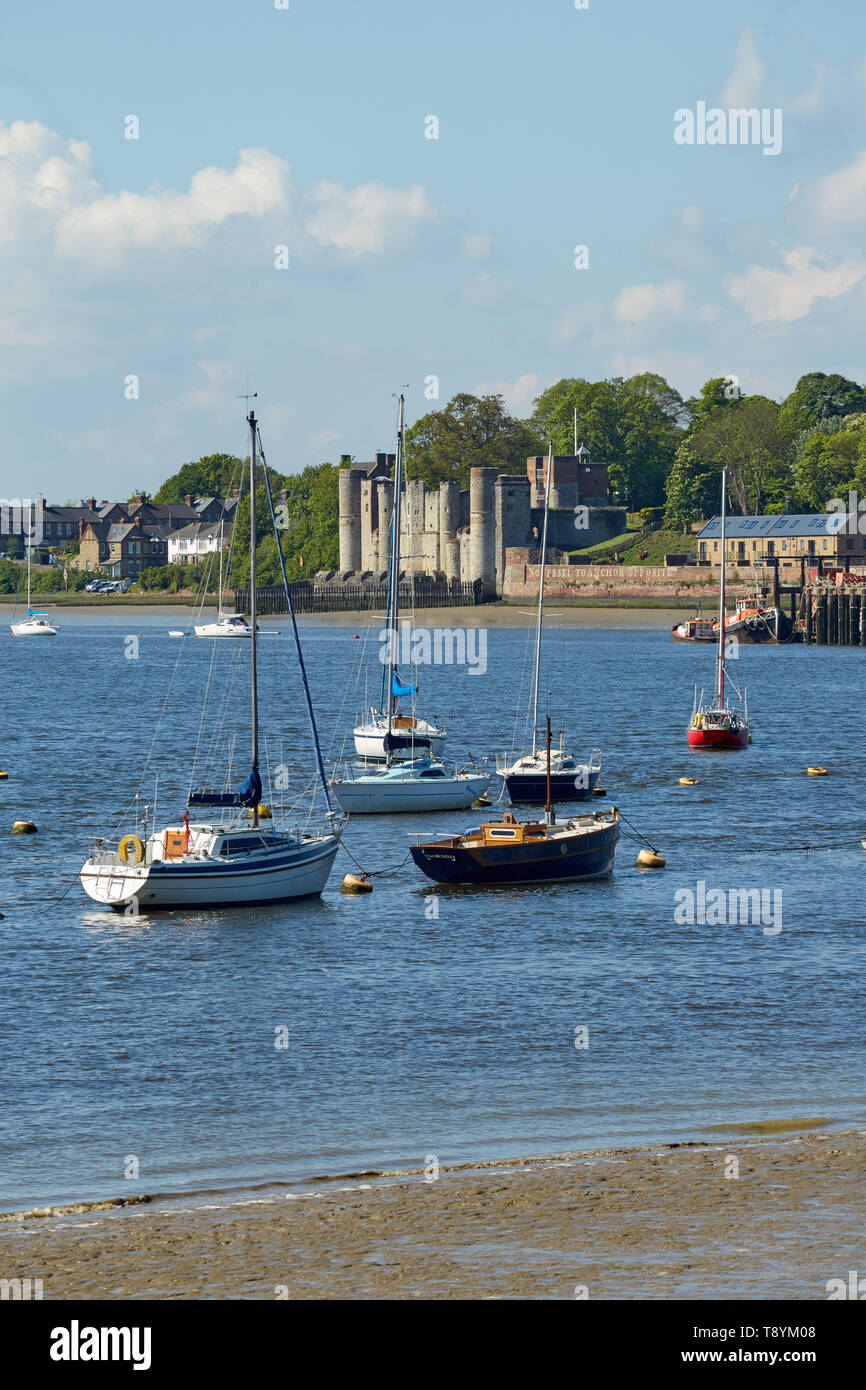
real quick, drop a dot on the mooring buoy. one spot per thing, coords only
(816, 771)
(356, 883)
(648, 859)
(23, 827)
(689, 782)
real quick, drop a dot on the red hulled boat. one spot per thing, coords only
(719, 724)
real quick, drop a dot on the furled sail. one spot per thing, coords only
(247, 794)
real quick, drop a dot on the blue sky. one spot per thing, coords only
(409, 257)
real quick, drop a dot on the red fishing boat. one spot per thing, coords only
(719, 723)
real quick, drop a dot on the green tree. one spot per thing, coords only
(469, 432)
(742, 435)
(818, 397)
(215, 475)
(692, 490)
(634, 425)
(830, 461)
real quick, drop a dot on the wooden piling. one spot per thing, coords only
(821, 619)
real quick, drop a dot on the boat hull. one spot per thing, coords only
(33, 630)
(301, 873)
(369, 798)
(718, 738)
(370, 744)
(530, 788)
(592, 856)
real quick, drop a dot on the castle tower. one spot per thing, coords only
(431, 533)
(350, 518)
(482, 523)
(513, 519)
(385, 506)
(449, 525)
(369, 525)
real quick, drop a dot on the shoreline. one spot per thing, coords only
(660, 1221)
(595, 614)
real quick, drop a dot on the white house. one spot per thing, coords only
(195, 542)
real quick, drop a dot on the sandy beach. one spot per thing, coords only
(668, 1222)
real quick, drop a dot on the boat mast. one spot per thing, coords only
(220, 590)
(548, 809)
(540, 603)
(394, 564)
(254, 691)
(720, 670)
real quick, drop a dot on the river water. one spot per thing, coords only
(140, 1054)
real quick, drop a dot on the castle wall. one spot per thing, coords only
(482, 539)
(512, 520)
(369, 525)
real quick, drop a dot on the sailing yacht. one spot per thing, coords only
(227, 624)
(236, 860)
(509, 851)
(526, 778)
(719, 724)
(414, 779)
(35, 624)
(388, 733)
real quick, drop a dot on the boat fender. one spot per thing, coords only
(130, 842)
(23, 827)
(698, 721)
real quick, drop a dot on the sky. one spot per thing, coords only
(144, 283)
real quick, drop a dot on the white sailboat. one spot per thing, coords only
(237, 860)
(388, 733)
(419, 784)
(227, 624)
(526, 778)
(35, 624)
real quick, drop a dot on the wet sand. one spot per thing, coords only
(668, 1222)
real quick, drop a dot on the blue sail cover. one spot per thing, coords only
(248, 794)
(398, 689)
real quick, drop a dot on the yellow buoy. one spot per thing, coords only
(481, 801)
(23, 827)
(356, 883)
(689, 782)
(817, 771)
(648, 859)
(599, 791)
(4, 774)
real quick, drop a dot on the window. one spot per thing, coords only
(703, 548)
(771, 548)
(241, 844)
(811, 547)
(715, 545)
(849, 545)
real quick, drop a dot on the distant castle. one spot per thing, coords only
(463, 536)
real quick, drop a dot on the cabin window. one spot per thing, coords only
(241, 844)
(502, 834)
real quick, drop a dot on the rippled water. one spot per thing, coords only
(412, 1034)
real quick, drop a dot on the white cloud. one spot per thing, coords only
(370, 220)
(49, 195)
(782, 296)
(577, 319)
(742, 86)
(518, 395)
(839, 198)
(637, 303)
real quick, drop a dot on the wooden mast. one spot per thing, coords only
(394, 561)
(548, 809)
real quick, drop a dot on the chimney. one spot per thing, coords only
(283, 494)
(236, 492)
(188, 499)
(381, 460)
(139, 497)
(91, 502)
(345, 460)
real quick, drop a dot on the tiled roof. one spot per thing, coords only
(789, 524)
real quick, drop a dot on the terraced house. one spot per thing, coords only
(121, 549)
(790, 539)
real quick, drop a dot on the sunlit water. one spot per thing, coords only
(410, 1033)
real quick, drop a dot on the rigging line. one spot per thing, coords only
(308, 698)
